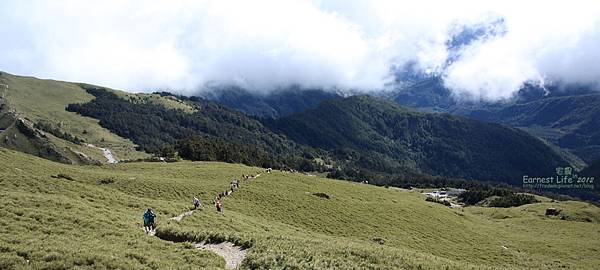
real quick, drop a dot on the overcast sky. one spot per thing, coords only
(262, 45)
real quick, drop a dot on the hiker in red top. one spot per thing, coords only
(218, 205)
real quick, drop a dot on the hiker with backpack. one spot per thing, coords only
(149, 220)
(196, 203)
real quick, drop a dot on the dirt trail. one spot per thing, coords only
(180, 217)
(106, 153)
(149, 232)
(232, 254)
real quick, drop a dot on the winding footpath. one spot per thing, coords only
(180, 217)
(232, 254)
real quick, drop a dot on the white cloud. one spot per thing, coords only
(264, 44)
(553, 40)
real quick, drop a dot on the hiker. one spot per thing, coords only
(234, 184)
(149, 220)
(196, 203)
(218, 205)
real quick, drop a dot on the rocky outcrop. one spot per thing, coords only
(20, 134)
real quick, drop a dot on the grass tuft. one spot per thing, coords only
(321, 195)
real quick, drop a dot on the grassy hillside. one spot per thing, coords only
(93, 222)
(39, 101)
(155, 127)
(379, 135)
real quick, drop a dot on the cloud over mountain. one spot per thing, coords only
(265, 44)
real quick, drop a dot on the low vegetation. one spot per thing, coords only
(512, 200)
(436, 200)
(48, 127)
(474, 196)
(496, 197)
(92, 223)
(321, 195)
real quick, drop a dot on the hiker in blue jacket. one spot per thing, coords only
(149, 220)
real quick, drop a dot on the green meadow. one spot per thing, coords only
(94, 222)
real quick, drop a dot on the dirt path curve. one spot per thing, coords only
(180, 217)
(108, 155)
(110, 158)
(232, 254)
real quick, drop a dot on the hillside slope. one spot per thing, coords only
(276, 104)
(379, 133)
(53, 120)
(571, 122)
(31, 107)
(93, 222)
(565, 115)
(592, 170)
(208, 132)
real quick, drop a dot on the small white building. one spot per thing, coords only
(445, 193)
(437, 194)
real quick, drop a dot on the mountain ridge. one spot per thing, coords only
(275, 104)
(423, 140)
(357, 133)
